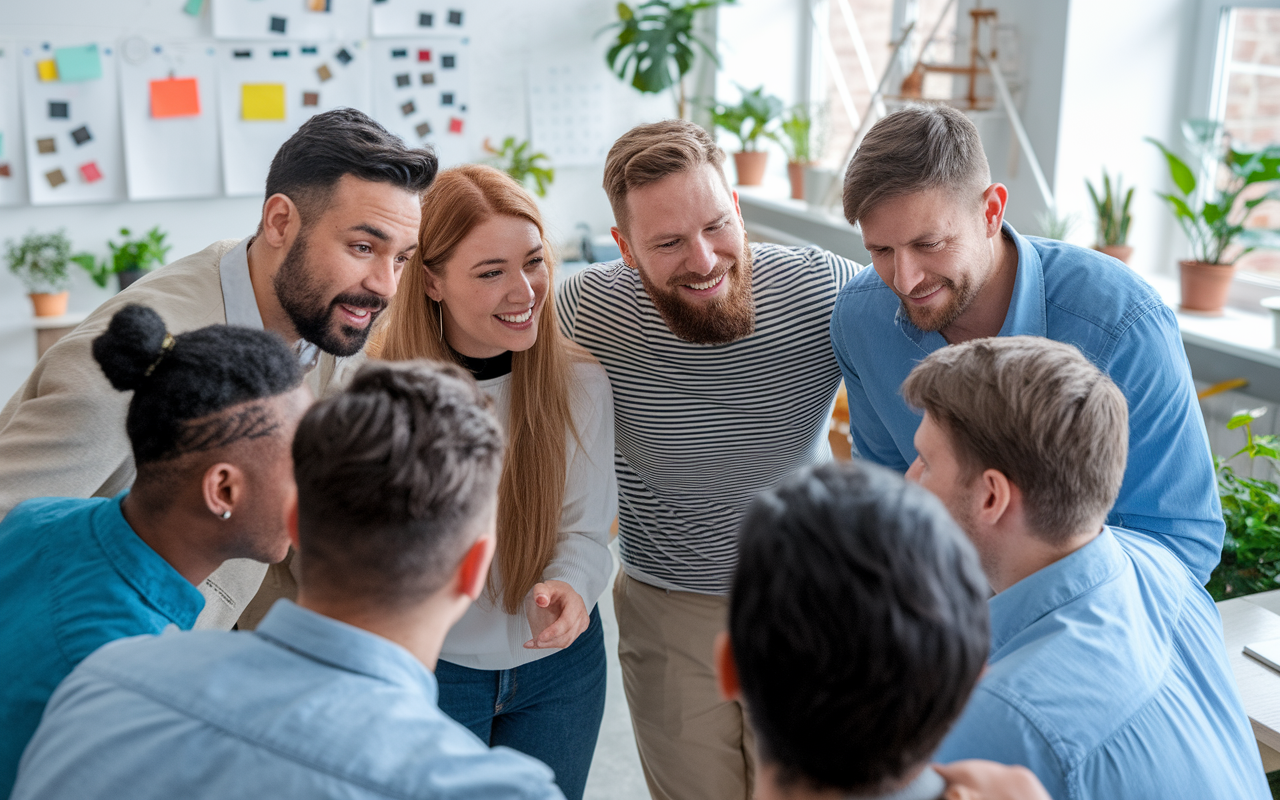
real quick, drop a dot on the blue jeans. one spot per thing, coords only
(549, 709)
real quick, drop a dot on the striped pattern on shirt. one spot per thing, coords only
(700, 429)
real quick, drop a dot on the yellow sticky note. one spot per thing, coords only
(47, 70)
(262, 101)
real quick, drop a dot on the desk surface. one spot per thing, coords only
(1245, 620)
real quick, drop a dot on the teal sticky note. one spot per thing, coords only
(193, 7)
(78, 63)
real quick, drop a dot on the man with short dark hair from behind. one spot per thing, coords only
(948, 268)
(857, 630)
(211, 415)
(339, 222)
(332, 696)
(1107, 675)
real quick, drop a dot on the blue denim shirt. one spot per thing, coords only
(73, 576)
(1108, 679)
(304, 707)
(1086, 299)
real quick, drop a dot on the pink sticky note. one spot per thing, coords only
(455, 125)
(90, 172)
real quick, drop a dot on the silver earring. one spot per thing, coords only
(440, 316)
(226, 514)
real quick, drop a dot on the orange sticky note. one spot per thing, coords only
(47, 69)
(262, 101)
(175, 97)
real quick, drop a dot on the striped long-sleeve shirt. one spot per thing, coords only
(700, 429)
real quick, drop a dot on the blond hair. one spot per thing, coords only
(648, 153)
(531, 490)
(1039, 412)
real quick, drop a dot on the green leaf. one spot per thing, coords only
(1182, 175)
(1180, 207)
(1239, 420)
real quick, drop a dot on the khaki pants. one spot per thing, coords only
(693, 743)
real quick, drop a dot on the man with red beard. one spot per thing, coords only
(339, 223)
(948, 269)
(723, 384)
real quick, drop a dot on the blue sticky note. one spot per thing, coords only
(78, 63)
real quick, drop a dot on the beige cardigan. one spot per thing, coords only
(63, 433)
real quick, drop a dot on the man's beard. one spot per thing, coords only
(719, 321)
(962, 295)
(302, 298)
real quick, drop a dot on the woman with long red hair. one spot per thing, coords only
(525, 667)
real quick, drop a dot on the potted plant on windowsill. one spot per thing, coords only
(1217, 229)
(129, 261)
(1113, 217)
(795, 137)
(1251, 510)
(40, 262)
(514, 158)
(749, 121)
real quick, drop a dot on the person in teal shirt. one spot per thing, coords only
(210, 422)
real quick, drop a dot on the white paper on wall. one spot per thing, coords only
(266, 91)
(72, 140)
(568, 111)
(169, 103)
(13, 159)
(421, 91)
(291, 20)
(420, 17)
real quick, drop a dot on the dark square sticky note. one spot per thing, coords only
(55, 178)
(400, 52)
(455, 125)
(424, 55)
(278, 24)
(448, 62)
(446, 98)
(90, 172)
(426, 20)
(242, 54)
(408, 108)
(428, 78)
(343, 56)
(59, 109)
(311, 98)
(46, 145)
(308, 51)
(81, 134)
(423, 129)
(402, 80)
(7, 172)
(455, 17)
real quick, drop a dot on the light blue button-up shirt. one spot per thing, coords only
(1082, 298)
(304, 707)
(73, 576)
(1108, 679)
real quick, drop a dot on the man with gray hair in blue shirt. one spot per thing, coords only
(333, 696)
(948, 268)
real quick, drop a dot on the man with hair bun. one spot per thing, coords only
(332, 696)
(948, 269)
(339, 223)
(1107, 676)
(210, 422)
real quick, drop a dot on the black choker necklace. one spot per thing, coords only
(483, 369)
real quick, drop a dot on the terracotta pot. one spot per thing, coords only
(1123, 252)
(795, 171)
(750, 164)
(1204, 286)
(49, 305)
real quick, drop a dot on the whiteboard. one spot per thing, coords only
(249, 145)
(420, 17)
(13, 159)
(290, 20)
(420, 112)
(92, 106)
(169, 156)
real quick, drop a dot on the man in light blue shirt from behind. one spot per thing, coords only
(1107, 675)
(947, 268)
(332, 697)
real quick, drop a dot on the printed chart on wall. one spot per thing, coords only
(426, 17)
(71, 106)
(13, 162)
(568, 112)
(170, 119)
(420, 93)
(295, 20)
(267, 91)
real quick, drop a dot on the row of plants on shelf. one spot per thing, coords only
(42, 261)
